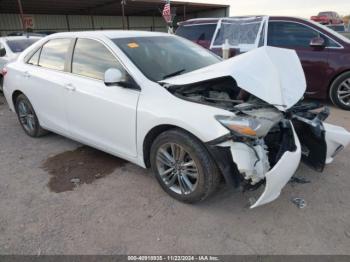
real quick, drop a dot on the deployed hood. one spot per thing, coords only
(272, 74)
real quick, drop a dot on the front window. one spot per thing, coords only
(93, 59)
(294, 35)
(17, 46)
(161, 57)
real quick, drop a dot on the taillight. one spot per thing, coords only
(4, 71)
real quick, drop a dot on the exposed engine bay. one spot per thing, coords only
(273, 133)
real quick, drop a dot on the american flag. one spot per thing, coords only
(167, 12)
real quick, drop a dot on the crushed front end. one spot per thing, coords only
(267, 145)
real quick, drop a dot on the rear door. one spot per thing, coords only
(99, 115)
(297, 36)
(42, 77)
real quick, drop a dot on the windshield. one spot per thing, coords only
(17, 46)
(243, 33)
(161, 57)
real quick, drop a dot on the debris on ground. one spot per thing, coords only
(347, 234)
(75, 181)
(299, 180)
(299, 202)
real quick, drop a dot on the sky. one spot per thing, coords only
(301, 8)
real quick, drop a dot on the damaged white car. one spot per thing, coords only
(163, 102)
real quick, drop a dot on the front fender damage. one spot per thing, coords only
(261, 163)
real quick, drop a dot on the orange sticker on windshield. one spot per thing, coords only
(133, 45)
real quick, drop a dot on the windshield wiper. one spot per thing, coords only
(174, 74)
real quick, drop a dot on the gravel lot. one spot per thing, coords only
(122, 210)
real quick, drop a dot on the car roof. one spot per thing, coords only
(112, 34)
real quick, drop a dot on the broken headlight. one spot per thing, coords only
(243, 126)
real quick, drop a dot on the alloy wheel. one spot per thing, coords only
(26, 116)
(343, 92)
(177, 169)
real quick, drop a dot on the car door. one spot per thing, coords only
(297, 36)
(100, 115)
(42, 77)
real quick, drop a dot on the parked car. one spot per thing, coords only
(11, 47)
(324, 53)
(163, 102)
(328, 18)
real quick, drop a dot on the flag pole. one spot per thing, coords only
(123, 2)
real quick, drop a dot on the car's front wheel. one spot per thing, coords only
(183, 166)
(28, 118)
(340, 91)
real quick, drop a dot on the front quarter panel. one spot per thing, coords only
(159, 107)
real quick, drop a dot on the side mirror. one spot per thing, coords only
(318, 42)
(2, 52)
(113, 76)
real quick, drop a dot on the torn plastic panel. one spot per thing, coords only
(262, 162)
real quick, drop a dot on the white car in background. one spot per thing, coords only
(163, 102)
(11, 47)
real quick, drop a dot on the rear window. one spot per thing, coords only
(197, 33)
(325, 14)
(17, 46)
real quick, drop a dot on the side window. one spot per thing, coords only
(54, 53)
(287, 34)
(34, 60)
(92, 59)
(197, 33)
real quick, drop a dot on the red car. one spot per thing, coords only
(328, 18)
(324, 53)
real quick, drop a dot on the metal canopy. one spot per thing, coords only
(102, 7)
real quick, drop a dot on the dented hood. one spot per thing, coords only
(274, 75)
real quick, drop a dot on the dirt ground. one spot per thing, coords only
(59, 197)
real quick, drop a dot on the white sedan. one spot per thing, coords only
(160, 101)
(11, 47)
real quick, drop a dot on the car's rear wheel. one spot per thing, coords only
(340, 91)
(28, 118)
(183, 166)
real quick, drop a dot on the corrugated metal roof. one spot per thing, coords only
(102, 7)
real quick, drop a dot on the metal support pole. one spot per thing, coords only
(21, 13)
(184, 12)
(123, 2)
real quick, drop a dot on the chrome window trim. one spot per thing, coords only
(300, 23)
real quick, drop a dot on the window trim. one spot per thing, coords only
(300, 23)
(71, 55)
(66, 57)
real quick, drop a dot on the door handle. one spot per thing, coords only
(70, 87)
(26, 74)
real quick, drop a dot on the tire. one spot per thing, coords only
(203, 174)
(1, 84)
(339, 91)
(28, 118)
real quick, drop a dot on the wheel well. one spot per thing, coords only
(150, 137)
(14, 97)
(335, 78)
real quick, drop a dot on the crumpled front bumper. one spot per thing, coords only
(280, 174)
(276, 177)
